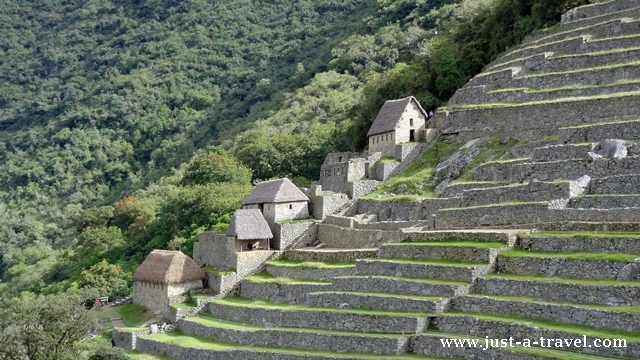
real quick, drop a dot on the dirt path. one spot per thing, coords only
(118, 324)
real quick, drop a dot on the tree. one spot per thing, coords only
(214, 165)
(44, 327)
(110, 354)
(106, 279)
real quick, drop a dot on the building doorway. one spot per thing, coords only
(412, 135)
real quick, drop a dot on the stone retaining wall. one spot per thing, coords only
(383, 170)
(584, 61)
(126, 340)
(296, 272)
(455, 190)
(568, 314)
(328, 204)
(335, 320)
(531, 213)
(457, 253)
(595, 244)
(369, 301)
(379, 267)
(560, 267)
(299, 339)
(520, 330)
(290, 293)
(250, 261)
(357, 189)
(594, 133)
(398, 286)
(342, 221)
(621, 295)
(605, 202)
(331, 255)
(339, 237)
(562, 152)
(299, 233)
(432, 346)
(533, 191)
(387, 210)
(617, 184)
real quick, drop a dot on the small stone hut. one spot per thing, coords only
(278, 200)
(248, 227)
(399, 121)
(164, 274)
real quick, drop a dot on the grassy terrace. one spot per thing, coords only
(530, 299)
(209, 320)
(581, 234)
(177, 338)
(255, 304)
(568, 281)
(442, 262)
(310, 264)
(553, 325)
(380, 294)
(465, 243)
(577, 255)
(265, 277)
(137, 355)
(412, 279)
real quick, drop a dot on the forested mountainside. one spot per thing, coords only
(103, 105)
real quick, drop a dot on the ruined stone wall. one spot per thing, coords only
(248, 261)
(357, 189)
(328, 204)
(304, 233)
(215, 249)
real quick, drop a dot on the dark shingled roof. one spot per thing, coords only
(249, 224)
(168, 267)
(275, 191)
(390, 115)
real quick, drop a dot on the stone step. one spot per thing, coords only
(567, 265)
(330, 254)
(277, 315)
(598, 242)
(497, 215)
(532, 191)
(383, 301)
(516, 117)
(434, 269)
(319, 271)
(520, 328)
(293, 292)
(626, 129)
(579, 291)
(182, 347)
(597, 316)
(310, 339)
(605, 201)
(401, 285)
(456, 189)
(469, 251)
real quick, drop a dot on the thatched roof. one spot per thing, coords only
(390, 115)
(168, 267)
(275, 191)
(249, 224)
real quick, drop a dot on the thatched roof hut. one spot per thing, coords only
(168, 267)
(249, 224)
(391, 113)
(275, 191)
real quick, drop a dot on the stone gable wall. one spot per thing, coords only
(152, 296)
(383, 143)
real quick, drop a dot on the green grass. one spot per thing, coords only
(490, 149)
(107, 312)
(137, 355)
(177, 338)
(582, 234)
(440, 262)
(553, 325)
(133, 315)
(476, 244)
(131, 330)
(574, 255)
(417, 176)
(265, 277)
(184, 305)
(413, 279)
(580, 281)
(311, 264)
(256, 304)
(388, 159)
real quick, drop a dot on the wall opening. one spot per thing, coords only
(412, 135)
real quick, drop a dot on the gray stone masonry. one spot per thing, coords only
(560, 267)
(421, 270)
(595, 244)
(309, 340)
(524, 149)
(339, 255)
(456, 190)
(619, 295)
(616, 184)
(431, 345)
(457, 253)
(605, 201)
(568, 314)
(594, 133)
(294, 293)
(389, 302)
(324, 205)
(583, 17)
(297, 272)
(589, 226)
(562, 152)
(126, 339)
(405, 211)
(499, 215)
(392, 225)
(597, 45)
(531, 192)
(525, 51)
(519, 331)
(357, 189)
(330, 319)
(179, 352)
(302, 233)
(383, 170)
(400, 286)
(248, 262)
(339, 237)
(572, 62)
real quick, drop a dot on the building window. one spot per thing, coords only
(410, 122)
(387, 137)
(290, 206)
(339, 158)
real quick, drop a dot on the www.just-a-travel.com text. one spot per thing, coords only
(577, 343)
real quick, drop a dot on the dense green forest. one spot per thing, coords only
(132, 125)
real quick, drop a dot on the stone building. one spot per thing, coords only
(249, 231)
(399, 121)
(164, 274)
(278, 200)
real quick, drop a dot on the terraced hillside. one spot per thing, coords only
(555, 258)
